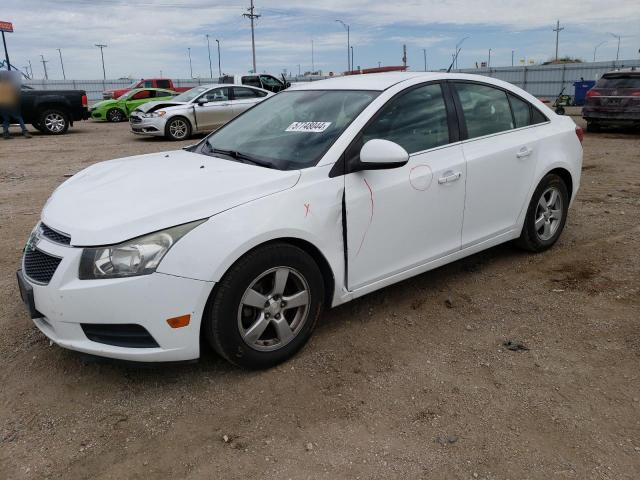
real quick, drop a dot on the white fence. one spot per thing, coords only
(539, 80)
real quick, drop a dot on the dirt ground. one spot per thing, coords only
(409, 382)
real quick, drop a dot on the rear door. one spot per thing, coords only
(213, 109)
(244, 98)
(501, 152)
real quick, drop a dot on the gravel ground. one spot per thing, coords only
(409, 382)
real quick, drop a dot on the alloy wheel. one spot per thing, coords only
(273, 309)
(549, 211)
(54, 122)
(178, 129)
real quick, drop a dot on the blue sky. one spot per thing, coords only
(146, 37)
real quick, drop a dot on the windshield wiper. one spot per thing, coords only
(243, 157)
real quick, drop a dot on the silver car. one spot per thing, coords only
(199, 110)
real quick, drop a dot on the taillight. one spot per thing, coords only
(636, 93)
(580, 133)
(593, 93)
(85, 101)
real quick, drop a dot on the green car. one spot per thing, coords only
(118, 110)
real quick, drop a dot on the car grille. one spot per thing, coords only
(134, 119)
(39, 266)
(54, 236)
(127, 335)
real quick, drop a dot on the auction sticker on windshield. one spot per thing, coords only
(315, 127)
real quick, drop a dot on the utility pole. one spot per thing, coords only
(44, 66)
(596, 49)
(352, 64)
(219, 64)
(31, 68)
(379, 64)
(404, 56)
(6, 52)
(190, 64)
(458, 48)
(347, 27)
(209, 49)
(102, 46)
(313, 63)
(489, 62)
(558, 29)
(64, 77)
(618, 51)
(252, 16)
(512, 52)
(424, 53)
(299, 70)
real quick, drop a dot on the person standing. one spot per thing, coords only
(10, 103)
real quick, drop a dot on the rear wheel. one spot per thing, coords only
(116, 115)
(546, 215)
(178, 128)
(266, 306)
(560, 110)
(54, 122)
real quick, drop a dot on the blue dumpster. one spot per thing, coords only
(582, 87)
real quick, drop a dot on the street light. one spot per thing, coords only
(596, 49)
(209, 49)
(101, 46)
(347, 27)
(618, 37)
(219, 67)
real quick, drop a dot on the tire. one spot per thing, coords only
(542, 227)
(54, 122)
(38, 127)
(593, 127)
(261, 336)
(560, 110)
(116, 115)
(177, 128)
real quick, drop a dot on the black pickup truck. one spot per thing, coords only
(53, 111)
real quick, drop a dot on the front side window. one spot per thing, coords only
(141, 94)
(416, 120)
(215, 95)
(291, 130)
(486, 109)
(148, 84)
(270, 82)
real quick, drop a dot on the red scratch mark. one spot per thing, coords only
(307, 209)
(370, 217)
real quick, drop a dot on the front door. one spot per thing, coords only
(213, 109)
(404, 217)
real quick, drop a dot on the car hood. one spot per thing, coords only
(121, 199)
(152, 106)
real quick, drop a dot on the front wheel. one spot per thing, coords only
(116, 115)
(560, 110)
(266, 306)
(546, 215)
(178, 128)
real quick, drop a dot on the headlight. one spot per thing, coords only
(140, 256)
(159, 113)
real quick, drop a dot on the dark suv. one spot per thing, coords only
(615, 100)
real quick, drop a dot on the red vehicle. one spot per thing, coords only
(165, 83)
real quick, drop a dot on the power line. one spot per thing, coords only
(252, 16)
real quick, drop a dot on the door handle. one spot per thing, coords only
(524, 152)
(449, 177)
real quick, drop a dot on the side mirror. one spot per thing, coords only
(287, 84)
(201, 102)
(381, 154)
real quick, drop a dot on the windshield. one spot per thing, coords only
(290, 130)
(619, 81)
(190, 94)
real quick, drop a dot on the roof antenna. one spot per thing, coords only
(455, 57)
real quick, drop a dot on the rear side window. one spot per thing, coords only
(619, 81)
(164, 84)
(521, 111)
(239, 93)
(537, 116)
(215, 95)
(416, 120)
(486, 109)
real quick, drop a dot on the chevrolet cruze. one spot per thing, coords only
(316, 196)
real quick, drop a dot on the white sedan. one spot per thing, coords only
(316, 196)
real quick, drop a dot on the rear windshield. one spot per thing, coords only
(619, 81)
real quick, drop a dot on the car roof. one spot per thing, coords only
(383, 81)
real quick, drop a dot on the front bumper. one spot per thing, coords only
(66, 305)
(147, 126)
(97, 115)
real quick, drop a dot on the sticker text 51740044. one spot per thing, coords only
(315, 127)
